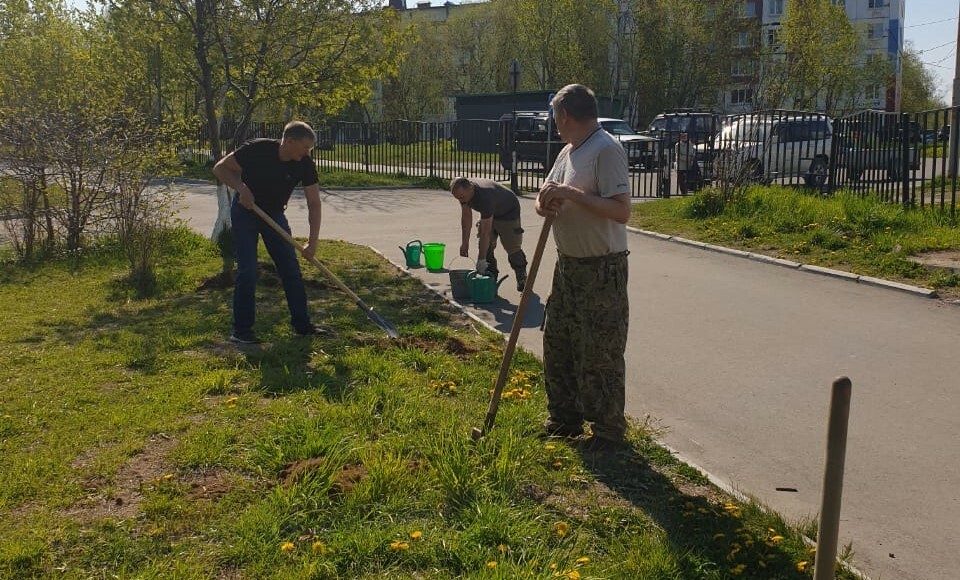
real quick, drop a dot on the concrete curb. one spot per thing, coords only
(839, 274)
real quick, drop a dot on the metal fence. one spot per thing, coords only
(902, 158)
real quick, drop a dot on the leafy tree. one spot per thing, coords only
(823, 68)
(684, 53)
(73, 115)
(427, 75)
(920, 91)
(483, 41)
(560, 42)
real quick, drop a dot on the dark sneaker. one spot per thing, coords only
(596, 444)
(244, 338)
(521, 279)
(314, 330)
(555, 429)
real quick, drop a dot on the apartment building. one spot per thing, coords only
(881, 24)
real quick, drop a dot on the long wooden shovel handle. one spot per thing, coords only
(517, 325)
(371, 313)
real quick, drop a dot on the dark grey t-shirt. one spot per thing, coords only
(494, 200)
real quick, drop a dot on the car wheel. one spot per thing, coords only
(817, 174)
(894, 171)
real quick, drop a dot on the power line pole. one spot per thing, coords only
(955, 113)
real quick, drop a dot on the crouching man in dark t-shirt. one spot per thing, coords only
(265, 172)
(499, 218)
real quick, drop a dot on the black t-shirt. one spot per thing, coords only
(271, 180)
(494, 200)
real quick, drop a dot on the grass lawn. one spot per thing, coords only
(137, 442)
(858, 234)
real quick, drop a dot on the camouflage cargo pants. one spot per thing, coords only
(584, 339)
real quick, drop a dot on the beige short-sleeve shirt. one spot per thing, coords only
(597, 167)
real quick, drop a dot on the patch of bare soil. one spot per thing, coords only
(343, 482)
(120, 497)
(208, 485)
(220, 281)
(946, 259)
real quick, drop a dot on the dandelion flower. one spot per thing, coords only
(286, 547)
(491, 564)
(168, 476)
(416, 535)
(776, 539)
(399, 546)
(558, 464)
(319, 548)
(802, 565)
(573, 575)
(549, 446)
(562, 528)
(232, 400)
(502, 548)
(738, 569)
(583, 560)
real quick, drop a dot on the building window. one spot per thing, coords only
(879, 3)
(741, 96)
(743, 40)
(875, 30)
(776, 7)
(746, 9)
(741, 68)
(773, 37)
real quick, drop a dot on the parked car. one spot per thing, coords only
(701, 126)
(764, 147)
(944, 133)
(641, 149)
(889, 158)
(535, 137)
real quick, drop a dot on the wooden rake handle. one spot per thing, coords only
(515, 328)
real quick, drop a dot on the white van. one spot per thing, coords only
(765, 147)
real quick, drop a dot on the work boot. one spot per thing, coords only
(521, 278)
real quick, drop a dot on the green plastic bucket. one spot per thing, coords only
(433, 255)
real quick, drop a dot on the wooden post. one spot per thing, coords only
(829, 528)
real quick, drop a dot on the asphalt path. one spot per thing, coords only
(733, 359)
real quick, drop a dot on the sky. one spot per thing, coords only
(931, 25)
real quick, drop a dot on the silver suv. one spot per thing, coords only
(766, 147)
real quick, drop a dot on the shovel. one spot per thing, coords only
(371, 313)
(514, 332)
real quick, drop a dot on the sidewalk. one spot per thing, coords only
(734, 358)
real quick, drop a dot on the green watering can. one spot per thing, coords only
(412, 253)
(483, 288)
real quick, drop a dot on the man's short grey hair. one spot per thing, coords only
(299, 131)
(577, 101)
(459, 183)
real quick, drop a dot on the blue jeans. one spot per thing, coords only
(247, 229)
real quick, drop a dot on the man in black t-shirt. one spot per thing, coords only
(499, 218)
(265, 172)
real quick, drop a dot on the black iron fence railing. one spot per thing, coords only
(903, 158)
